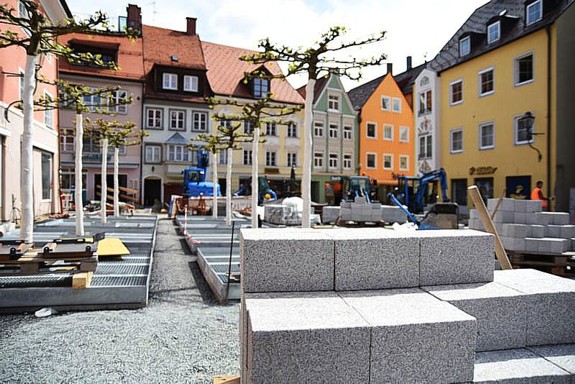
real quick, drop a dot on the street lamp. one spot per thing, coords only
(527, 121)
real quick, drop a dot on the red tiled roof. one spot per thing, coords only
(226, 73)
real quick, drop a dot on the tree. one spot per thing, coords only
(314, 63)
(40, 37)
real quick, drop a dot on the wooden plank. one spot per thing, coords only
(81, 280)
(489, 227)
(110, 247)
(226, 379)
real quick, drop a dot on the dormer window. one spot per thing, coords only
(493, 32)
(107, 53)
(170, 81)
(260, 87)
(533, 12)
(464, 46)
(190, 83)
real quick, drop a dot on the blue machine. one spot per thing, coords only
(195, 183)
(412, 191)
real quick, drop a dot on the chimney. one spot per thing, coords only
(191, 25)
(390, 68)
(409, 65)
(134, 17)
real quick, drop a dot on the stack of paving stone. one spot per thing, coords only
(523, 227)
(361, 211)
(378, 306)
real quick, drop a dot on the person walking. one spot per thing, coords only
(537, 194)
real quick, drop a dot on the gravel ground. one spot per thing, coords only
(182, 336)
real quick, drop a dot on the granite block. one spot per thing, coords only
(503, 216)
(553, 245)
(356, 207)
(372, 258)
(476, 224)
(286, 259)
(550, 301)
(520, 217)
(505, 204)
(562, 355)
(473, 214)
(501, 312)
(515, 230)
(416, 338)
(572, 244)
(543, 218)
(391, 214)
(345, 204)
(531, 219)
(531, 244)
(513, 243)
(330, 214)
(536, 231)
(455, 256)
(532, 206)
(567, 231)
(553, 230)
(306, 338)
(517, 366)
(560, 218)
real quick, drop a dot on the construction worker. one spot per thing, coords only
(537, 194)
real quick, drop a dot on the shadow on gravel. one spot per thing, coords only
(203, 287)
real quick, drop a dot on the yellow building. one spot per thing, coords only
(502, 66)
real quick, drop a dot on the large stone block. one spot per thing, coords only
(286, 259)
(517, 366)
(553, 245)
(455, 257)
(330, 214)
(515, 230)
(553, 230)
(503, 204)
(501, 312)
(536, 231)
(305, 338)
(562, 355)
(504, 217)
(373, 258)
(567, 231)
(416, 338)
(550, 301)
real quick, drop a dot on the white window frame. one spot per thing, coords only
(248, 127)
(347, 161)
(48, 113)
(318, 160)
(292, 130)
(153, 153)
(396, 105)
(482, 126)
(516, 132)
(117, 96)
(347, 132)
(388, 132)
(180, 118)
(516, 61)
(385, 103)
(271, 129)
(539, 15)
(67, 140)
(401, 166)
(333, 161)
(199, 121)
(451, 140)
(493, 32)
(247, 160)
(367, 156)
(47, 174)
(451, 85)
(465, 46)
(190, 83)
(333, 130)
(425, 141)
(318, 128)
(291, 159)
(178, 152)
(333, 103)
(387, 156)
(367, 124)
(271, 159)
(170, 81)
(480, 81)
(157, 117)
(404, 134)
(223, 157)
(424, 96)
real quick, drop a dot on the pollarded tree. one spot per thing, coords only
(40, 37)
(315, 62)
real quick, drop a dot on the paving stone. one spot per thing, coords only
(391, 214)
(531, 244)
(536, 231)
(567, 231)
(520, 217)
(501, 312)
(517, 366)
(551, 300)
(505, 204)
(415, 337)
(513, 243)
(306, 338)
(503, 216)
(374, 258)
(330, 214)
(543, 218)
(286, 259)
(562, 355)
(455, 256)
(553, 230)
(515, 230)
(553, 245)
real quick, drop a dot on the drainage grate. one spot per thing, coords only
(118, 281)
(121, 269)
(219, 268)
(36, 281)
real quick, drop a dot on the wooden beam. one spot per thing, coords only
(81, 280)
(489, 227)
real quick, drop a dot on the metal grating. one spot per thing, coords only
(60, 280)
(118, 281)
(119, 269)
(220, 268)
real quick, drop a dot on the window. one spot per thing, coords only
(387, 161)
(92, 102)
(372, 130)
(199, 121)
(153, 154)
(271, 129)
(425, 103)
(347, 161)
(260, 87)
(292, 159)
(119, 97)
(333, 131)
(177, 120)
(22, 11)
(318, 160)
(67, 140)
(486, 82)
(388, 132)
(404, 134)
(347, 132)
(292, 130)
(154, 118)
(522, 131)
(248, 128)
(403, 163)
(371, 159)
(170, 81)
(486, 136)
(271, 159)
(223, 157)
(90, 145)
(456, 92)
(49, 113)
(69, 179)
(459, 191)
(318, 128)
(386, 103)
(247, 157)
(46, 176)
(333, 160)
(524, 69)
(464, 46)
(178, 152)
(425, 147)
(493, 32)
(534, 12)
(333, 103)
(190, 83)
(456, 136)
(396, 105)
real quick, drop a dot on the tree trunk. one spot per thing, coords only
(255, 186)
(78, 176)
(116, 183)
(27, 162)
(229, 187)
(214, 160)
(307, 154)
(104, 182)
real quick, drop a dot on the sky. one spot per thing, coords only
(416, 28)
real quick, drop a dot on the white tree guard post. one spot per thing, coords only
(116, 182)
(307, 154)
(78, 176)
(255, 186)
(229, 186)
(104, 182)
(214, 160)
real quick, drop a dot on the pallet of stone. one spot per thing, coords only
(34, 263)
(70, 248)
(560, 264)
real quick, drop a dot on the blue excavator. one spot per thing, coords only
(195, 183)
